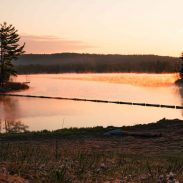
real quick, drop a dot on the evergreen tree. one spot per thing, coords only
(9, 50)
(181, 69)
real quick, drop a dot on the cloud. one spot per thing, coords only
(52, 44)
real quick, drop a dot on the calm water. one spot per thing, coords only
(52, 114)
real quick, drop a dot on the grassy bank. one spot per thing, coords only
(87, 155)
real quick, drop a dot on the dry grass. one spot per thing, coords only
(94, 158)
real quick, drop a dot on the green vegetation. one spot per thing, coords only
(158, 127)
(86, 155)
(82, 63)
(181, 69)
(9, 50)
(13, 86)
(179, 82)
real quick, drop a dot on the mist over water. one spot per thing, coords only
(52, 114)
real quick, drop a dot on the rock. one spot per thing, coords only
(117, 132)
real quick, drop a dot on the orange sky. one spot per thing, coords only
(98, 26)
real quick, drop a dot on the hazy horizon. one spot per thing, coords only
(87, 53)
(142, 27)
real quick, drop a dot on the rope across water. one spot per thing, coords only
(93, 100)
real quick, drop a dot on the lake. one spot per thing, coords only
(52, 114)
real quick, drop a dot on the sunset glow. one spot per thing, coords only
(93, 26)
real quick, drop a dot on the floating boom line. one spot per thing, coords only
(93, 100)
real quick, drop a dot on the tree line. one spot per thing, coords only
(11, 62)
(82, 63)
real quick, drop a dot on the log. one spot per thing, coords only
(119, 132)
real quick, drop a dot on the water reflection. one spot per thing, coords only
(41, 114)
(9, 108)
(180, 90)
(12, 126)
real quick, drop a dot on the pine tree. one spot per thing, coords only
(9, 50)
(181, 69)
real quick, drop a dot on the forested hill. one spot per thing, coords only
(73, 62)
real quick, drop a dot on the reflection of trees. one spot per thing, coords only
(12, 126)
(9, 108)
(9, 112)
(181, 93)
(180, 89)
(1, 127)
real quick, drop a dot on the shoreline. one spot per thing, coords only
(97, 131)
(13, 86)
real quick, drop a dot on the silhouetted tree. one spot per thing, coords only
(181, 69)
(9, 50)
